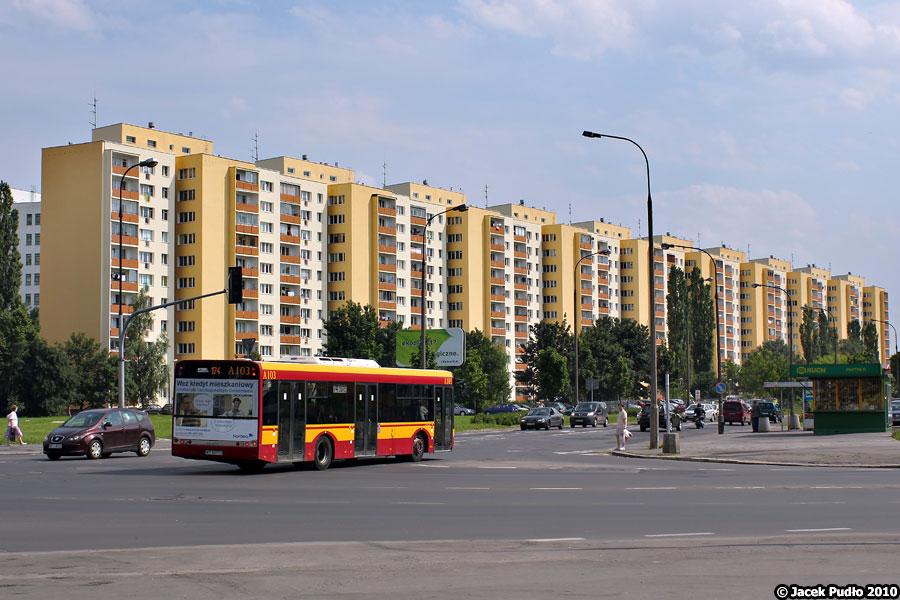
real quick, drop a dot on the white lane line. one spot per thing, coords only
(820, 529)
(555, 488)
(435, 466)
(836, 487)
(741, 487)
(651, 488)
(498, 467)
(572, 539)
(468, 488)
(716, 469)
(653, 535)
(422, 503)
(818, 503)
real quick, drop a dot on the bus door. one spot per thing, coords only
(443, 417)
(291, 420)
(365, 441)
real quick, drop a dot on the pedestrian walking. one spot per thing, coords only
(13, 432)
(622, 433)
(754, 416)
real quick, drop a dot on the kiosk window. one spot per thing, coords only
(870, 397)
(848, 394)
(825, 394)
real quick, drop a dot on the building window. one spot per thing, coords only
(130, 139)
(186, 173)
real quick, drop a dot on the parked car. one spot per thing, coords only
(689, 413)
(735, 411)
(166, 409)
(462, 410)
(561, 407)
(97, 433)
(543, 417)
(895, 412)
(589, 413)
(153, 409)
(643, 419)
(502, 408)
(712, 412)
(768, 409)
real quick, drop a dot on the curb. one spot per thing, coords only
(736, 461)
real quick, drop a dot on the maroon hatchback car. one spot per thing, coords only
(99, 432)
(735, 411)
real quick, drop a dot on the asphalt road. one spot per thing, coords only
(515, 499)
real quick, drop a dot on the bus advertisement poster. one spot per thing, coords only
(216, 409)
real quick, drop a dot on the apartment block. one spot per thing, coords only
(843, 297)
(28, 204)
(806, 288)
(875, 309)
(763, 310)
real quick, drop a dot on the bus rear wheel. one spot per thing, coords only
(324, 454)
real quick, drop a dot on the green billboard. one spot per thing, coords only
(449, 346)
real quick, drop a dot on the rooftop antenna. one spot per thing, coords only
(639, 229)
(485, 195)
(255, 149)
(384, 175)
(570, 213)
(94, 111)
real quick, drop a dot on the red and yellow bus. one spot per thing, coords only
(313, 410)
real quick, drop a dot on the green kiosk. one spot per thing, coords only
(847, 398)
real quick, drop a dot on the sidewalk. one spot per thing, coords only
(788, 448)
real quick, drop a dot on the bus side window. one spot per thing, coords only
(270, 402)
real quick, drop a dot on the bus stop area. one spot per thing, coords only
(787, 448)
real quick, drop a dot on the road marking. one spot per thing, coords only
(422, 503)
(498, 467)
(555, 488)
(677, 534)
(572, 539)
(716, 469)
(816, 530)
(836, 487)
(468, 488)
(435, 466)
(742, 487)
(818, 503)
(651, 488)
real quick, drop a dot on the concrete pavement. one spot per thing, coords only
(788, 448)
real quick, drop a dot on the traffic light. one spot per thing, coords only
(235, 285)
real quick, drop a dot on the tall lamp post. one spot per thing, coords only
(148, 162)
(577, 314)
(654, 409)
(790, 338)
(460, 208)
(716, 300)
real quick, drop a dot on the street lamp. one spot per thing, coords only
(577, 315)
(147, 162)
(666, 246)
(654, 410)
(790, 338)
(460, 208)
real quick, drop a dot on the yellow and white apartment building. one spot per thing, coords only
(309, 238)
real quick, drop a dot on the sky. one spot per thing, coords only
(769, 125)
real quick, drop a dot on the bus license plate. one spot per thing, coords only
(54, 446)
(212, 452)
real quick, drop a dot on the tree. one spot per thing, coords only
(895, 372)
(731, 375)
(18, 331)
(769, 362)
(603, 358)
(545, 334)
(386, 344)
(677, 311)
(483, 379)
(703, 323)
(146, 372)
(352, 330)
(635, 341)
(47, 380)
(870, 341)
(853, 344)
(10, 260)
(809, 337)
(94, 372)
(552, 374)
(827, 335)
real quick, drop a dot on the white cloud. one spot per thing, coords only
(63, 14)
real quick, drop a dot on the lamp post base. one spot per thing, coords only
(671, 444)
(794, 422)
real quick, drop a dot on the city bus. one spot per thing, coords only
(316, 410)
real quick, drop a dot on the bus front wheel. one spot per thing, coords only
(324, 453)
(418, 449)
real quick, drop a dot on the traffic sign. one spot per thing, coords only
(720, 387)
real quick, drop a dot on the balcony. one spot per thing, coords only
(418, 221)
(521, 335)
(294, 219)
(498, 281)
(387, 230)
(246, 250)
(119, 170)
(290, 239)
(497, 229)
(287, 258)
(387, 268)
(498, 331)
(417, 239)
(387, 249)
(519, 302)
(127, 240)
(384, 285)
(291, 279)
(387, 305)
(126, 309)
(291, 339)
(518, 254)
(127, 263)
(250, 208)
(585, 245)
(498, 247)
(249, 272)
(388, 212)
(415, 273)
(246, 185)
(289, 319)
(127, 286)
(498, 314)
(586, 276)
(248, 293)
(603, 310)
(521, 286)
(126, 217)
(520, 271)
(126, 195)
(521, 318)
(587, 322)
(290, 198)
(249, 315)
(498, 298)
(286, 299)
(587, 306)
(246, 335)
(249, 229)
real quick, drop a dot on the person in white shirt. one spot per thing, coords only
(13, 432)
(621, 426)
